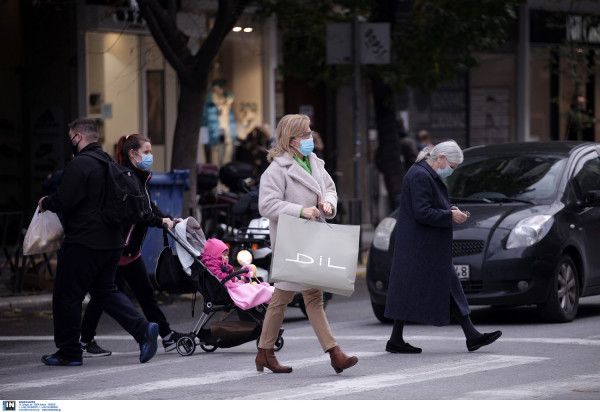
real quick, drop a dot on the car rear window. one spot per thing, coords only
(522, 176)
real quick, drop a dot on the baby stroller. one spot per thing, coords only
(222, 323)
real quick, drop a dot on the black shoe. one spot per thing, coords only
(57, 360)
(171, 343)
(149, 345)
(404, 348)
(485, 339)
(93, 350)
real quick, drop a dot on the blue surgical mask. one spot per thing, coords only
(421, 145)
(146, 162)
(306, 146)
(445, 172)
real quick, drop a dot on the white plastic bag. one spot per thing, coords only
(45, 233)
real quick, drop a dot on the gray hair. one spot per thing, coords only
(449, 148)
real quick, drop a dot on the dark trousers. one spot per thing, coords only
(81, 270)
(136, 276)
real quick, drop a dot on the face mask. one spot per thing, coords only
(146, 161)
(306, 146)
(444, 173)
(74, 148)
(421, 146)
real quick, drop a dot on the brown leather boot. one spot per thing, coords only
(266, 358)
(341, 361)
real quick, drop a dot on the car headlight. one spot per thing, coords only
(529, 231)
(244, 257)
(383, 233)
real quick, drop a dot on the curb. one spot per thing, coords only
(20, 302)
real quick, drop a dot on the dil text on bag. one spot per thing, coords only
(307, 260)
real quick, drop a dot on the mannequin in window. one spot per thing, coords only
(218, 118)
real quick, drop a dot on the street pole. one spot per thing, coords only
(356, 102)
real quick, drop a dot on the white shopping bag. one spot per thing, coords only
(45, 233)
(319, 255)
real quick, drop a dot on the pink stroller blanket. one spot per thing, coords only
(247, 295)
(244, 295)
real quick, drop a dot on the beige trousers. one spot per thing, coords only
(313, 300)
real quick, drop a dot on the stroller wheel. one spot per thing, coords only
(186, 346)
(278, 344)
(208, 348)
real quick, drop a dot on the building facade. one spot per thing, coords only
(86, 59)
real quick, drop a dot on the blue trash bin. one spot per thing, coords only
(166, 189)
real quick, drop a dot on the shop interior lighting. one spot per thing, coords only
(236, 29)
(248, 29)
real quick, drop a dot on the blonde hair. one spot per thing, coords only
(289, 126)
(449, 148)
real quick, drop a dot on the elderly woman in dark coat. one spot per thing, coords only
(424, 287)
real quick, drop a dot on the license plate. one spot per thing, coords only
(462, 271)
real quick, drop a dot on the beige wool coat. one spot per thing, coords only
(286, 188)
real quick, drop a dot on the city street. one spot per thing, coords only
(530, 361)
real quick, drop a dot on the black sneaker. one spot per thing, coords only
(171, 343)
(93, 350)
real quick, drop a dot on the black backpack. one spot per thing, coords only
(123, 203)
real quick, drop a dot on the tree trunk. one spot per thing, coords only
(388, 158)
(185, 141)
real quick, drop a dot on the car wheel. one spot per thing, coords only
(563, 301)
(379, 311)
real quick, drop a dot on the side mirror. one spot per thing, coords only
(592, 198)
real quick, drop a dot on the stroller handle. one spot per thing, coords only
(233, 275)
(171, 233)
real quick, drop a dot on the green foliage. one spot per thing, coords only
(442, 38)
(303, 25)
(432, 44)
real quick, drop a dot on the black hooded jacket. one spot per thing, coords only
(77, 197)
(134, 235)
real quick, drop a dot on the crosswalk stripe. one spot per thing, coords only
(371, 382)
(60, 380)
(321, 390)
(558, 341)
(212, 378)
(541, 390)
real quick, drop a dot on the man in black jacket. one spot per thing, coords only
(87, 260)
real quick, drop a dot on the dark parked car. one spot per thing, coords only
(533, 235)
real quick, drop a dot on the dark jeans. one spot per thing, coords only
(81, 270)
(136, 276)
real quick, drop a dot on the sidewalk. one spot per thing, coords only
(43, 299)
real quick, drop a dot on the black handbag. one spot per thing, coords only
(170, 276)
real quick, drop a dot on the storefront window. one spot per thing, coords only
(113, 89)
(234, 105)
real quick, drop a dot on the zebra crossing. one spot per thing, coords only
(229, 374)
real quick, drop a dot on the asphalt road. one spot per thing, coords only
(531, 360)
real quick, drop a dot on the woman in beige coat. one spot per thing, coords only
(296, 184)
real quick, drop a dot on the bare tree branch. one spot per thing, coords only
(168, 37)
(227, 15)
